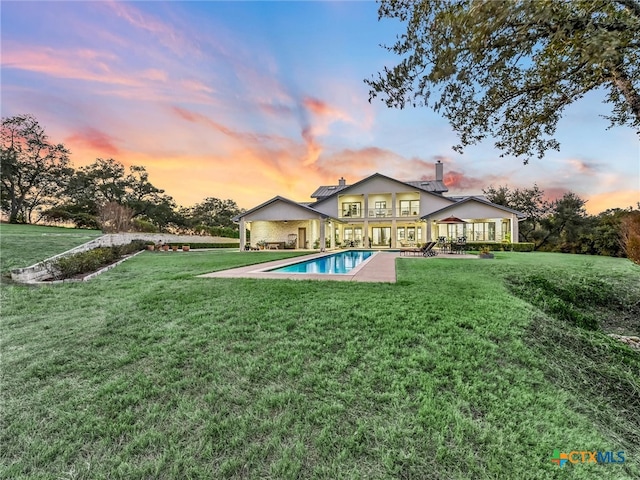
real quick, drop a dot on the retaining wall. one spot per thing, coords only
(39, 271)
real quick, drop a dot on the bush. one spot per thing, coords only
(492, 246)
(207, 245)
(631, 236)
(144, 226)
(91, 260)
(84, 220)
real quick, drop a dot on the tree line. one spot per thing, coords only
(38, 184)
(563, 225)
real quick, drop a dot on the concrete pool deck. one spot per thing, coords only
(380, 267)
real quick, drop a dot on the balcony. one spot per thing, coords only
(380, 212)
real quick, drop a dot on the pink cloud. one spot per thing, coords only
(86, 65)
(166, 34)
(95, 140)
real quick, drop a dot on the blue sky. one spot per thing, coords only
(248, 100)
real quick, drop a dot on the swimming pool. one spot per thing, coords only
(337, 263)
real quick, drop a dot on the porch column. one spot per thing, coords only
(243, 234)
(394, 234)
(365, 213)
(514, 229)
(332, 232)
(394, 208)
(323, 241)
(366, 243)
(426, 231)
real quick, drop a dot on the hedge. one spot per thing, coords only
(194, 246)
(499, 247)
(91, 260)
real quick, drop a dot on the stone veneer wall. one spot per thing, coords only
(280, 231)
(39, 271)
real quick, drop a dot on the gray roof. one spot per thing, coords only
(280, 199)
(433, 186)
(326, 190)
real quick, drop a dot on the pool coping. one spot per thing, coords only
(379, 267)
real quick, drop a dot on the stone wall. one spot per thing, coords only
(279, 231)
(39, 271)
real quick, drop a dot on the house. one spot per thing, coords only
(377, 212)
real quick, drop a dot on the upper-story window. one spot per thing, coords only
(351, 209)
(409, 208)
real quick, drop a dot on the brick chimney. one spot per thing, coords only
(342, 182)
(439, 171)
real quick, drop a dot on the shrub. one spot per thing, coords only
(630, 230)
(91, 260)
(84, 220)
(208, 245)
(144, 226)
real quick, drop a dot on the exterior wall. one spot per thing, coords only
(381, 189)
(279, 231)
(279, 210)
(473, 210)
(478, 212)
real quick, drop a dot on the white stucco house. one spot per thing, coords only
(377, 212)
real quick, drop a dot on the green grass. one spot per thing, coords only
(24, 245)
(150, 372)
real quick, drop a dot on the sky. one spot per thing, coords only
(249, 100)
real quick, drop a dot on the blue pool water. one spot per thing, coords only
(342, 262)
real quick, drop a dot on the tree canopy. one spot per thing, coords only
(33, 171)
(509, 68)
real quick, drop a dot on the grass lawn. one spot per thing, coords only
(24, 245)
(463, 369)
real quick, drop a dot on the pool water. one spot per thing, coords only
(338, 263)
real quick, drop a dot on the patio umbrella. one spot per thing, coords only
(451, 220)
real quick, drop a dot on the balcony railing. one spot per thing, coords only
(380, 212)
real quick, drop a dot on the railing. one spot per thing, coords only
(380, 212)
(348, 214)
(407, 213)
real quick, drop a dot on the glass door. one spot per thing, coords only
(381, 237)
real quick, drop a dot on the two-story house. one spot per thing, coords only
(377, 212)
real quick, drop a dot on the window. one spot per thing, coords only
(409, 207)
(483, 231)
(351, 209)
(380, 209)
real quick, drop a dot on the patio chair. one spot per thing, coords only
(413, 250)
(460, 245)
(428, 251)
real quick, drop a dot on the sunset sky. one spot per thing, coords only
(248, 100)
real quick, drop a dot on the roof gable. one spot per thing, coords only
(444, 211)
(346, 189)
(279, 208)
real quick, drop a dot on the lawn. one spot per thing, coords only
(24, 245)
(463, 369)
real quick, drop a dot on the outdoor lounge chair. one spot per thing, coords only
(426, 250)
(429, 250)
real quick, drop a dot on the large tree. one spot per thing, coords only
(508, 68)
(212, 212)
(33, 171)
(106, 182)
